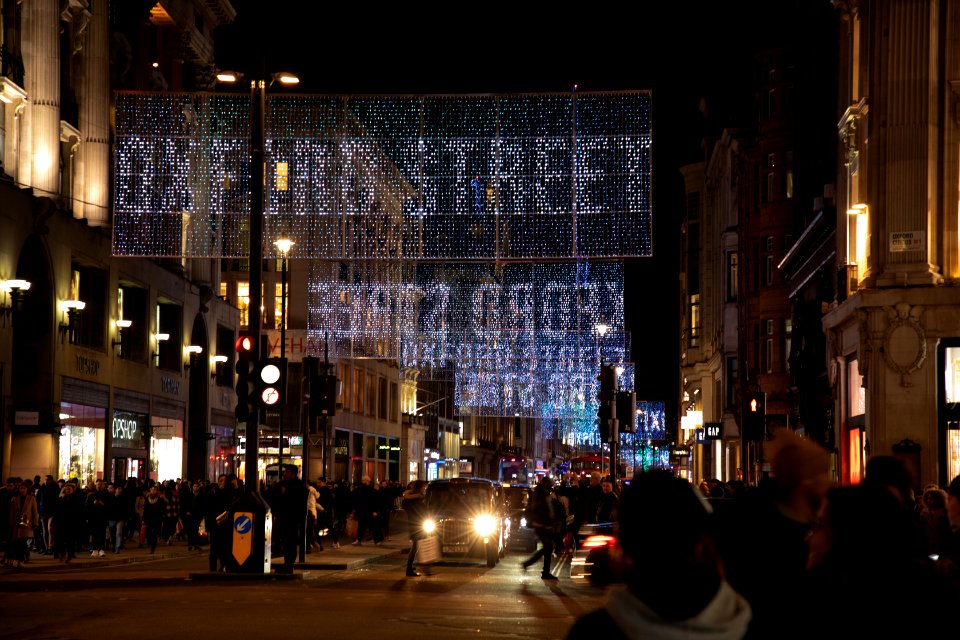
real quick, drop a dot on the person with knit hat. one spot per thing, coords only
(675, 586)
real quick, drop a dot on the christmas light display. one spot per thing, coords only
(518, 338)
(476, 237)
(460, 177)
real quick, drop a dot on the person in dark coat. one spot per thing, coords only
(67, 522)
(154, 512)
(364, 506)
(218, 500)
(545, 515)
(865, 554)
(414, 508)
(290, 511)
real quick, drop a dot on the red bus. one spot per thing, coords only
(588, 464)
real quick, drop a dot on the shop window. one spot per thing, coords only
(88, 285)
(132, 307)
(82, 442)
(168, 350)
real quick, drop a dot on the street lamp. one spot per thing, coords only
(258, 90)
(283, 245)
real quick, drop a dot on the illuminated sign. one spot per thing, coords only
(713, 430)
(127, 430)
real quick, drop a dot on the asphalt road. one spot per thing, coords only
(170, 598)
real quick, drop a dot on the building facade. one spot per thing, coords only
(110, 367)
(893, 338)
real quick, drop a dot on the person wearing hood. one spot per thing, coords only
(675, 585)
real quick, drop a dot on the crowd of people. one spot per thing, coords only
(64, 518)
(793, 556)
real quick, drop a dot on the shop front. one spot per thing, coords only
(128, 436)
(83, 431)
(166, 440)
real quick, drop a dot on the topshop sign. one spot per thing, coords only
(127, 429)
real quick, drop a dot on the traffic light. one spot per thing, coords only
(271, 383)
(323, 395)
(755, 416)
(246, 360)
(606, 402)
(627, 411)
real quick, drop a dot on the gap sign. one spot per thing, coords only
(713, 430)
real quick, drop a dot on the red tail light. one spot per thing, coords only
(594, 542)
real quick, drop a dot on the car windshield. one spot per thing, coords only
(449, 498)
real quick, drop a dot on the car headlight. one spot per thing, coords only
(429, 525)
(485, 525)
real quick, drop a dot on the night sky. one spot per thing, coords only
(688, 54)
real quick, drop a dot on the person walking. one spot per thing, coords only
(413, 506)
(117, 515)
(545, 516)
(313, 509)
(154, 512)
(364, 508)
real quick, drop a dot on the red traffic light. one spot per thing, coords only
(245, 344)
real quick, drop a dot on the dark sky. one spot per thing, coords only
(681, 51)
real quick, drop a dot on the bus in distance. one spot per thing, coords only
(515, 470)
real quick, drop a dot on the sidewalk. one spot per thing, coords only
(348, 556)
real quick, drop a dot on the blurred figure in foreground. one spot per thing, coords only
(763, 536)
(865, 558)
(678, 590)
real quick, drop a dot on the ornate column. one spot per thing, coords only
(94, 99)
(40, 151)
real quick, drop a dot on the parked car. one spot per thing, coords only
(517, 498)
(591, 561)
(469, 517)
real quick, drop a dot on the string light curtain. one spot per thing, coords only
(458, 177)
(517, 337)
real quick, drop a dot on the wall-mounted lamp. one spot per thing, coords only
(160, 337)
(122, 326)
(68, 326)
(13, 290)
(192, 352)
(217, 362)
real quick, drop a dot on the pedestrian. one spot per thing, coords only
(545, 517)
(171, 519)
(763, 536)
(413, 506)
(95, 513)
(117, 515)
(154, 512)
(47, 502)
(326, 518)
(864, 554)
(674, 577)
(313, 495)
(22, 518)
(291, 512)
(66, 523)
(218, 502)
(607, 510)
(364, 509)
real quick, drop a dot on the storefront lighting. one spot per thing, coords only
(68, 326)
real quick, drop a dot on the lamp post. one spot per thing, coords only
(601, 329)
(283, 245)
(258, 90)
